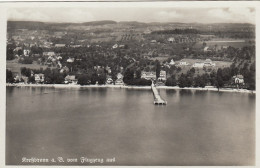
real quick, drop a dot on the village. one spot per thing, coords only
(127, 56)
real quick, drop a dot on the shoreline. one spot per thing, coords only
(209, 88)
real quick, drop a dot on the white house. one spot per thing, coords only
(119, 76)
(172, 62)
(208, 63)
(171, 39)
(238, 79)
(39, 78)
(70, 60)
(205, 49)
(148, 75)
(60, 45)
(71, 79)
(183, 63)
(162, 76)
(198, 65)
(153, 41)
(50, 53)
(109, 80)
(26, 52)
(115, 46)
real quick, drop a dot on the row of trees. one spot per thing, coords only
(221, 78)
(132, 77)
(94, 78)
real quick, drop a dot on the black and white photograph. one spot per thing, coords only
(129, 83)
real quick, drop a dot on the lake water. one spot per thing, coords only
(194, 128)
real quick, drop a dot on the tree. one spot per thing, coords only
(128, 76)
(9, 52)
(26, 71)
(171, 81)
(94, 78)
(102, 79)
(9, 76)
(158, 68)
(199, 81)
(138, 74)
(84, 79)
(20, 52)
(219, 80)
(182, 81)
(31, 79)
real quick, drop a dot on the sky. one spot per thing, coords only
(140, 14)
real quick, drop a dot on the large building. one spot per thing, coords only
(162, 76)
(148, 75)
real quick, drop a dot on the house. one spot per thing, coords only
(172, 62)
(198, 65)
(238, 79)
(209, 63)
(16, 76)
(51, 53)
(115, 46)
(183, 63)
(119, 82)
(121, 46)
(119, 76)
(39, 78)
(162, 76)
(17, 48)
(59, 58)
(153, 41)
(148, 75)
(26, 52)
(171, 39)
(109, 80)
(75, 46)
(205, 49)
(60, 45)
(70, 60)
(108, 69)
(70, 79)
(64, 69)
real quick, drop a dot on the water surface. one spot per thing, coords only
(194, 128)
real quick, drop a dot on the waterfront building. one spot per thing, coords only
(39, 78)
(238, 79)
(71, 79)
(148, 75)
(162, 76)
(119, 76)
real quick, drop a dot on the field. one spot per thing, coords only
(14, 66)
(199, 71)
(237, 43)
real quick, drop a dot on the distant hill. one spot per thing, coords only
(33, 25)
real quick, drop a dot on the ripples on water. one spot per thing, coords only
(194, 128)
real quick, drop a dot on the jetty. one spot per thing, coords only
(157, 98)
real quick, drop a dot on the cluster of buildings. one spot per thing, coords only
(152, 76)
(206, 63)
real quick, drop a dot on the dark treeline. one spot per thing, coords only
(131, 79)
(223, 77)
(220, 34)
(177, 31)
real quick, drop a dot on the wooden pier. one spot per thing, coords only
(157, 98)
